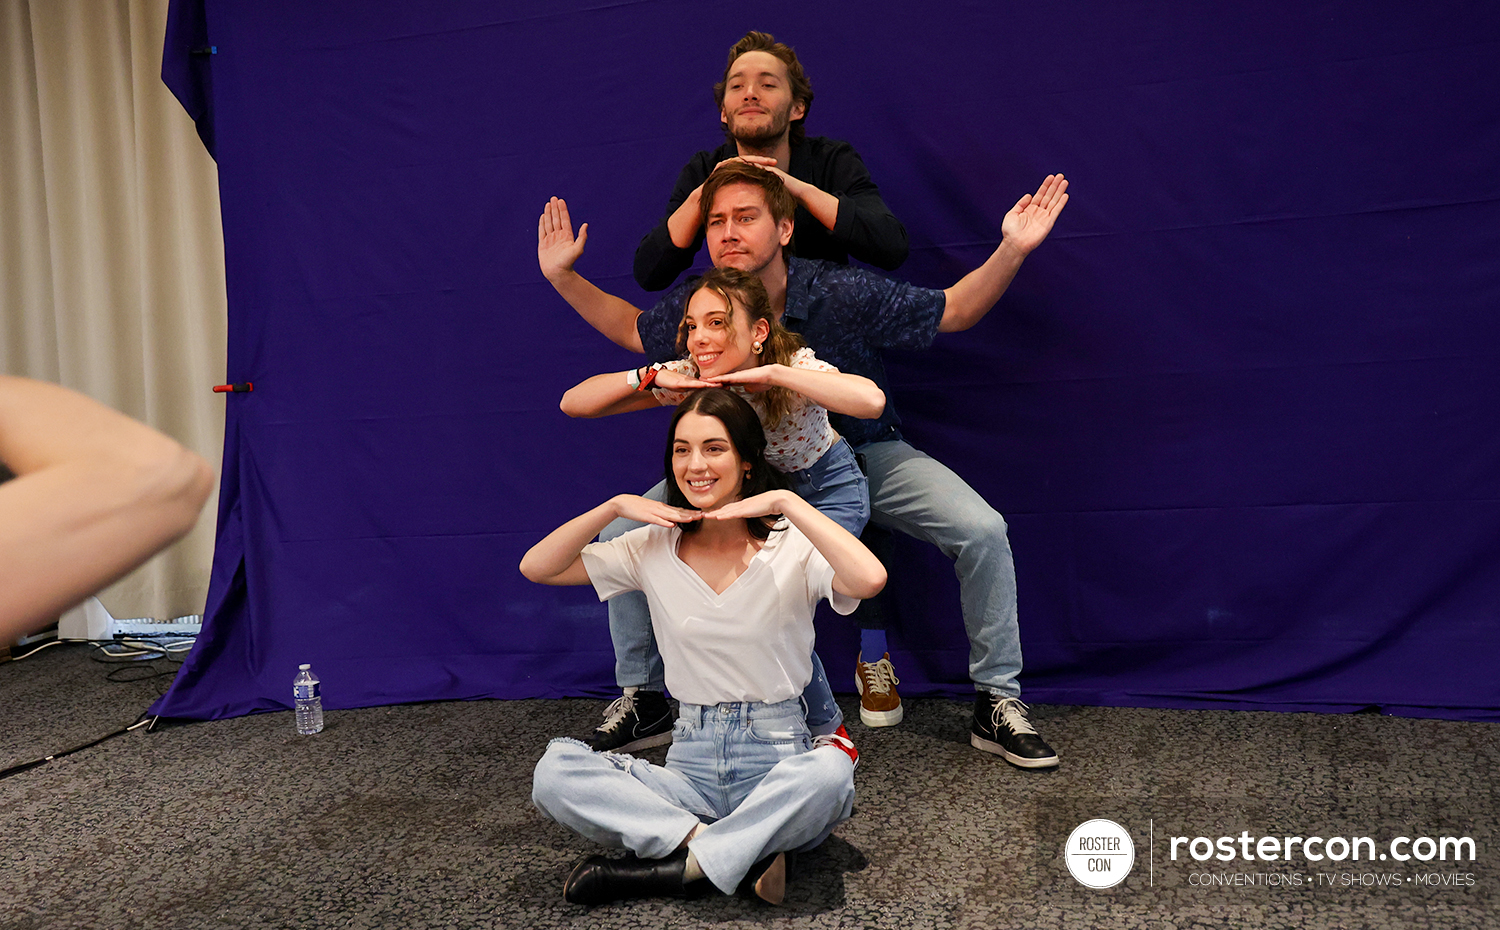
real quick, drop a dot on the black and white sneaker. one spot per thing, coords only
(1002, 727)
(638, 719)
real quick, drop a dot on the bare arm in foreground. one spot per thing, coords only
(95, 495)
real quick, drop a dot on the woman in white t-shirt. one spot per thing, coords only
(732, 591)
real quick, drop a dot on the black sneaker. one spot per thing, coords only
(634, 721)
(1002, 727)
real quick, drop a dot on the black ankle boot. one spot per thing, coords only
(600, 879)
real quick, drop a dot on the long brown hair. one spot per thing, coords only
(740, 289)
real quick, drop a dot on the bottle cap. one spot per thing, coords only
(304, 667)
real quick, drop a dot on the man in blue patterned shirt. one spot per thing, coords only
(848, 316)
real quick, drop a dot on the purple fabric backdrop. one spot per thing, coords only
(1241, 409)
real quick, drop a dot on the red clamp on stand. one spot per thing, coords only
(243, 387)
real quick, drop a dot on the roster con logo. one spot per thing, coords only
(1099, 853)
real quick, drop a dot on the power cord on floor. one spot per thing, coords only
(129, 651)
(133, 654)
(16, 769)
(126, 648)
(38, 648)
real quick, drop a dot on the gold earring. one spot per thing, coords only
(755, 347)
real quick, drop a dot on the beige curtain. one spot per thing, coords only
(111, 252)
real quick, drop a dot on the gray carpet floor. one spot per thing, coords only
(419, 816)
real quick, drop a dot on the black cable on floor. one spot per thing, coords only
(132, 668)
(17, 769)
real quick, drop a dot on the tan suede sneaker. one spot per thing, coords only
(879, 704)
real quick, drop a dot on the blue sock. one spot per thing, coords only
(872, 645)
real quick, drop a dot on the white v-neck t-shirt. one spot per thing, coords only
(753, 642)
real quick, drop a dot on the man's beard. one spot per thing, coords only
(762, 139)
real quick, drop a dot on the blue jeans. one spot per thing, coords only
(746, 770)
(837, 487)
(916, 494)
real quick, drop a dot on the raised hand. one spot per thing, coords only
(1030, 220)
(556, 247)
(644, 510)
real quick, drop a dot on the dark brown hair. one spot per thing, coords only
(749, 441)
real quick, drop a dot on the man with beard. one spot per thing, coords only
(763, 100)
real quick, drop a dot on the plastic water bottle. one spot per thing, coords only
(309, 700)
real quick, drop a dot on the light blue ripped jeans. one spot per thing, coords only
(836, 486)
(745, 769)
